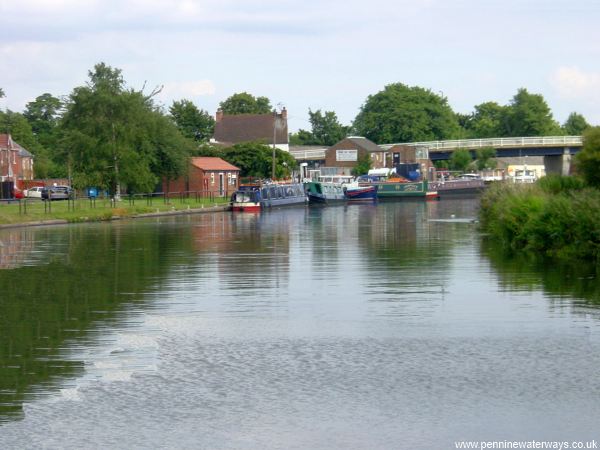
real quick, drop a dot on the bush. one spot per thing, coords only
(544, 219)
(555, 184)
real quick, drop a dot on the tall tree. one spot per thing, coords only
(114, 137)
(193, 123)
(244, 103)
(489, 120)
(575, 124)
(326, 129)
(529, 115)
(43, 114)
(401, 113)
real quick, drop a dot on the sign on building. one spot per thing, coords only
(346, 155)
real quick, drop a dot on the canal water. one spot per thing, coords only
(385, 326)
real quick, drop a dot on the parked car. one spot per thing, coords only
(57, 193)
(34, 192)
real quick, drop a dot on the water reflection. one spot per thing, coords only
(576, 282)
(61, 287)
(271, 317)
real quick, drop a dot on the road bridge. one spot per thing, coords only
(556, 150)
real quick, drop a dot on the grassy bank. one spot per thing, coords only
(82, 210)
(556, 217)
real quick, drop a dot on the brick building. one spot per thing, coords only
(207, 176)
(347, 152)
(16, 163)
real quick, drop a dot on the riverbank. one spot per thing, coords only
(37, 213)
(556, 217)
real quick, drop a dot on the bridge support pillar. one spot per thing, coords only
(558, 164)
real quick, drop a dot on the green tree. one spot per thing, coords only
(588, 159)
(1, 93)
(460, 160)
(193, 123)
(575, 124)
(302, 137)
(256, 159)
(485, 158)
(401, 113)
(488, 121)
(529, 115)
(326, 129)
(115, 136)
(363, 164)
(244, 103)
(43, 114)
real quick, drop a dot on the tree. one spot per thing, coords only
(192, 122)
(256, 159)
(485, 158)
(244, 103)
(460, 159)
(302, 137)
(575, 125)
(588, 159)
(363, 164)
(43, 114)
(1, 93)
(401, 113)
(115, 136)
(326, 129)
(529, 115)
(489, 120)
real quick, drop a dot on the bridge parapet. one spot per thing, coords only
(513, 142)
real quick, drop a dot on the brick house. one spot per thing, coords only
(346, 153)
(16, 163)
(207, 176)
(264, 128)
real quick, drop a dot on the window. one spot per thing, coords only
(212, 178)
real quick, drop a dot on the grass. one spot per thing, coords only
(84, 210)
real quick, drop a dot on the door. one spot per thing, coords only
(221, 184)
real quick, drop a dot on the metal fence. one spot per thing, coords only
(190, 198)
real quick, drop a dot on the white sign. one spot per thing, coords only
(346, 155)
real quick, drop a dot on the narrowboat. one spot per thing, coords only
(284, 194)
(246, 198)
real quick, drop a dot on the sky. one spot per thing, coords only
(308, 54)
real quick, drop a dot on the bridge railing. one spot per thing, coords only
(546, 141)
(308, 154)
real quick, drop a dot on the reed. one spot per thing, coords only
(555, 218)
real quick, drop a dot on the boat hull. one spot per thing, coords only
(245, 207)
(394, 189)
(324, 192)
(362, 194)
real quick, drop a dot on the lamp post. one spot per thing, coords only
(274, 136)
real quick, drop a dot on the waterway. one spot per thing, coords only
(385, 326)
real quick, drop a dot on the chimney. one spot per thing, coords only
(284, 113)
(219, 115)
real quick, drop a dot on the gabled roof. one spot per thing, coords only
(365, 143)
(6, 141)
(212, 163)
(251, 127)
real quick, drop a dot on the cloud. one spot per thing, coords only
(574, 83)
(187, 89)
